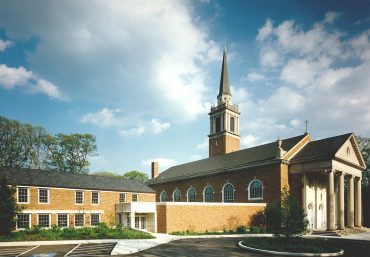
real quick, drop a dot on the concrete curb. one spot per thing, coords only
(341, 252)
(59, 242)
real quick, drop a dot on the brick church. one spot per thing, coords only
(230, 185)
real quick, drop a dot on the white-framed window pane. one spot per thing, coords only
(95, 219)
(191, 195)
(163, 197)
(79, 220)
(143, 222)
(22, 194)
(44, 220)
(135, 197)
(228, 193)
(208, 194)
(137, 222)
(128, 221)
(63, 220)
(79, 197)
(43, 195)
(95, 197)
(23, 221)
(255, 190)
(122, 197)
(176, 196)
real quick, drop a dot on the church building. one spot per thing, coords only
(226, 189)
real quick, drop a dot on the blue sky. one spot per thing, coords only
(141, 75)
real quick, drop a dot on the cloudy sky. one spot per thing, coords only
(141, 75)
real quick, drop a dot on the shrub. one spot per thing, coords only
(255, 230)
(273, 217)
(258, 219)
(241, 230)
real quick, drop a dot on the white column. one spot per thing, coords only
(350, 203)
(304, 193)
(341, 200)
(331, 199)
(358, 203)
(132, 219)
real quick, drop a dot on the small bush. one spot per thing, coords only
(255, 230)
(258, 219)
(241, 230)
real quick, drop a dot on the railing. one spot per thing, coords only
(232, 107)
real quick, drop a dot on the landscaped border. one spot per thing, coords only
(341, 252)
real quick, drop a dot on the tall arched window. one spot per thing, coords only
(255, 190)
(228, 193)
(163, 197)
(218, 124)
(191, 195)
(208, 194)
(232, 124)
(176, 195)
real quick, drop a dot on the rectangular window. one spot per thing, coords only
(23, 221)
(95, 219)
(95, 197)
(79, 220)
(44, 220)
(79, 197)
(22, 194)
(137, 222)
(128, 221)
(43, 195)
(135, 197)
(122, 197)
(143, 222)
(63, 220)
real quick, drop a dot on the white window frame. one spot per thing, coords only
(29, 218)
(83, 197)
(67, 219)
(84, 220)
(187, 194)
(249, 190)
(204, 194)
(173, 195)
(91, 218)
(92, 197)
(223, 192)
(38, 219)
(48, 195)
(160, 197)
(125, 196)
(137, 198)
(28, 195)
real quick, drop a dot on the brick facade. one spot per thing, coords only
(223, 144)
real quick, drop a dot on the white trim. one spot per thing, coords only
(204, 195)
(28, 195)
(92, 197)
(83, 197)
(212, 203)
(249, 191)
(173, 194)
(119, 197)
(38, 195)
(38, 221)
(222, 191)
(61, 211)
(57, 223)
(160, 197)
(29, 217)
(187, 194)
(91, 218)
(74, 220)
(137, 197)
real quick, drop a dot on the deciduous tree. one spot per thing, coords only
(136, 175)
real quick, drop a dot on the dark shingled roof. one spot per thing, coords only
(324, 148)
(226, 162)
(29, 177)
(224, 81)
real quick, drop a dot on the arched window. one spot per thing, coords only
(255, 190)
(232, 124)
(218, 124)
(191, 195)
(176, 195)
(163, 197)
(228, 193)
(208, 194)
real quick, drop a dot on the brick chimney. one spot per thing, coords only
(154, 169)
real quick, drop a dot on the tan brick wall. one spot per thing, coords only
(64, 199)
(225, 144)
(269, 175)
(200, 218)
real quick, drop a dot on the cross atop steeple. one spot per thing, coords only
(224, 95)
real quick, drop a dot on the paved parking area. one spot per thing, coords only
(14, 251)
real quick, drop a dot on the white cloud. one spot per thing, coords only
(115, 56)
(249, 140)
(137, 131)
(104, 118)
(254, 76)
(11, 78)
(5, 44)
(331, 16)
(158, 127)
(163, 163)
(295, 123)
(265, 31)
(269, 57)
(203, 145)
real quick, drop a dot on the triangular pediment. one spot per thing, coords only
(350, 152)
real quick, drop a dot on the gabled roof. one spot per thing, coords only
(29, 177)
(257, 155)
(224, 81)
(327, 148)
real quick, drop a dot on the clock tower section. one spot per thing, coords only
(224, 119)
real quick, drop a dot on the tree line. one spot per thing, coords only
(23, 145)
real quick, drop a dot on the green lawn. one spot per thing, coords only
(296, 245)
(55, 233)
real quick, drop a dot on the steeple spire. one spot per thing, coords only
(224, 82)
